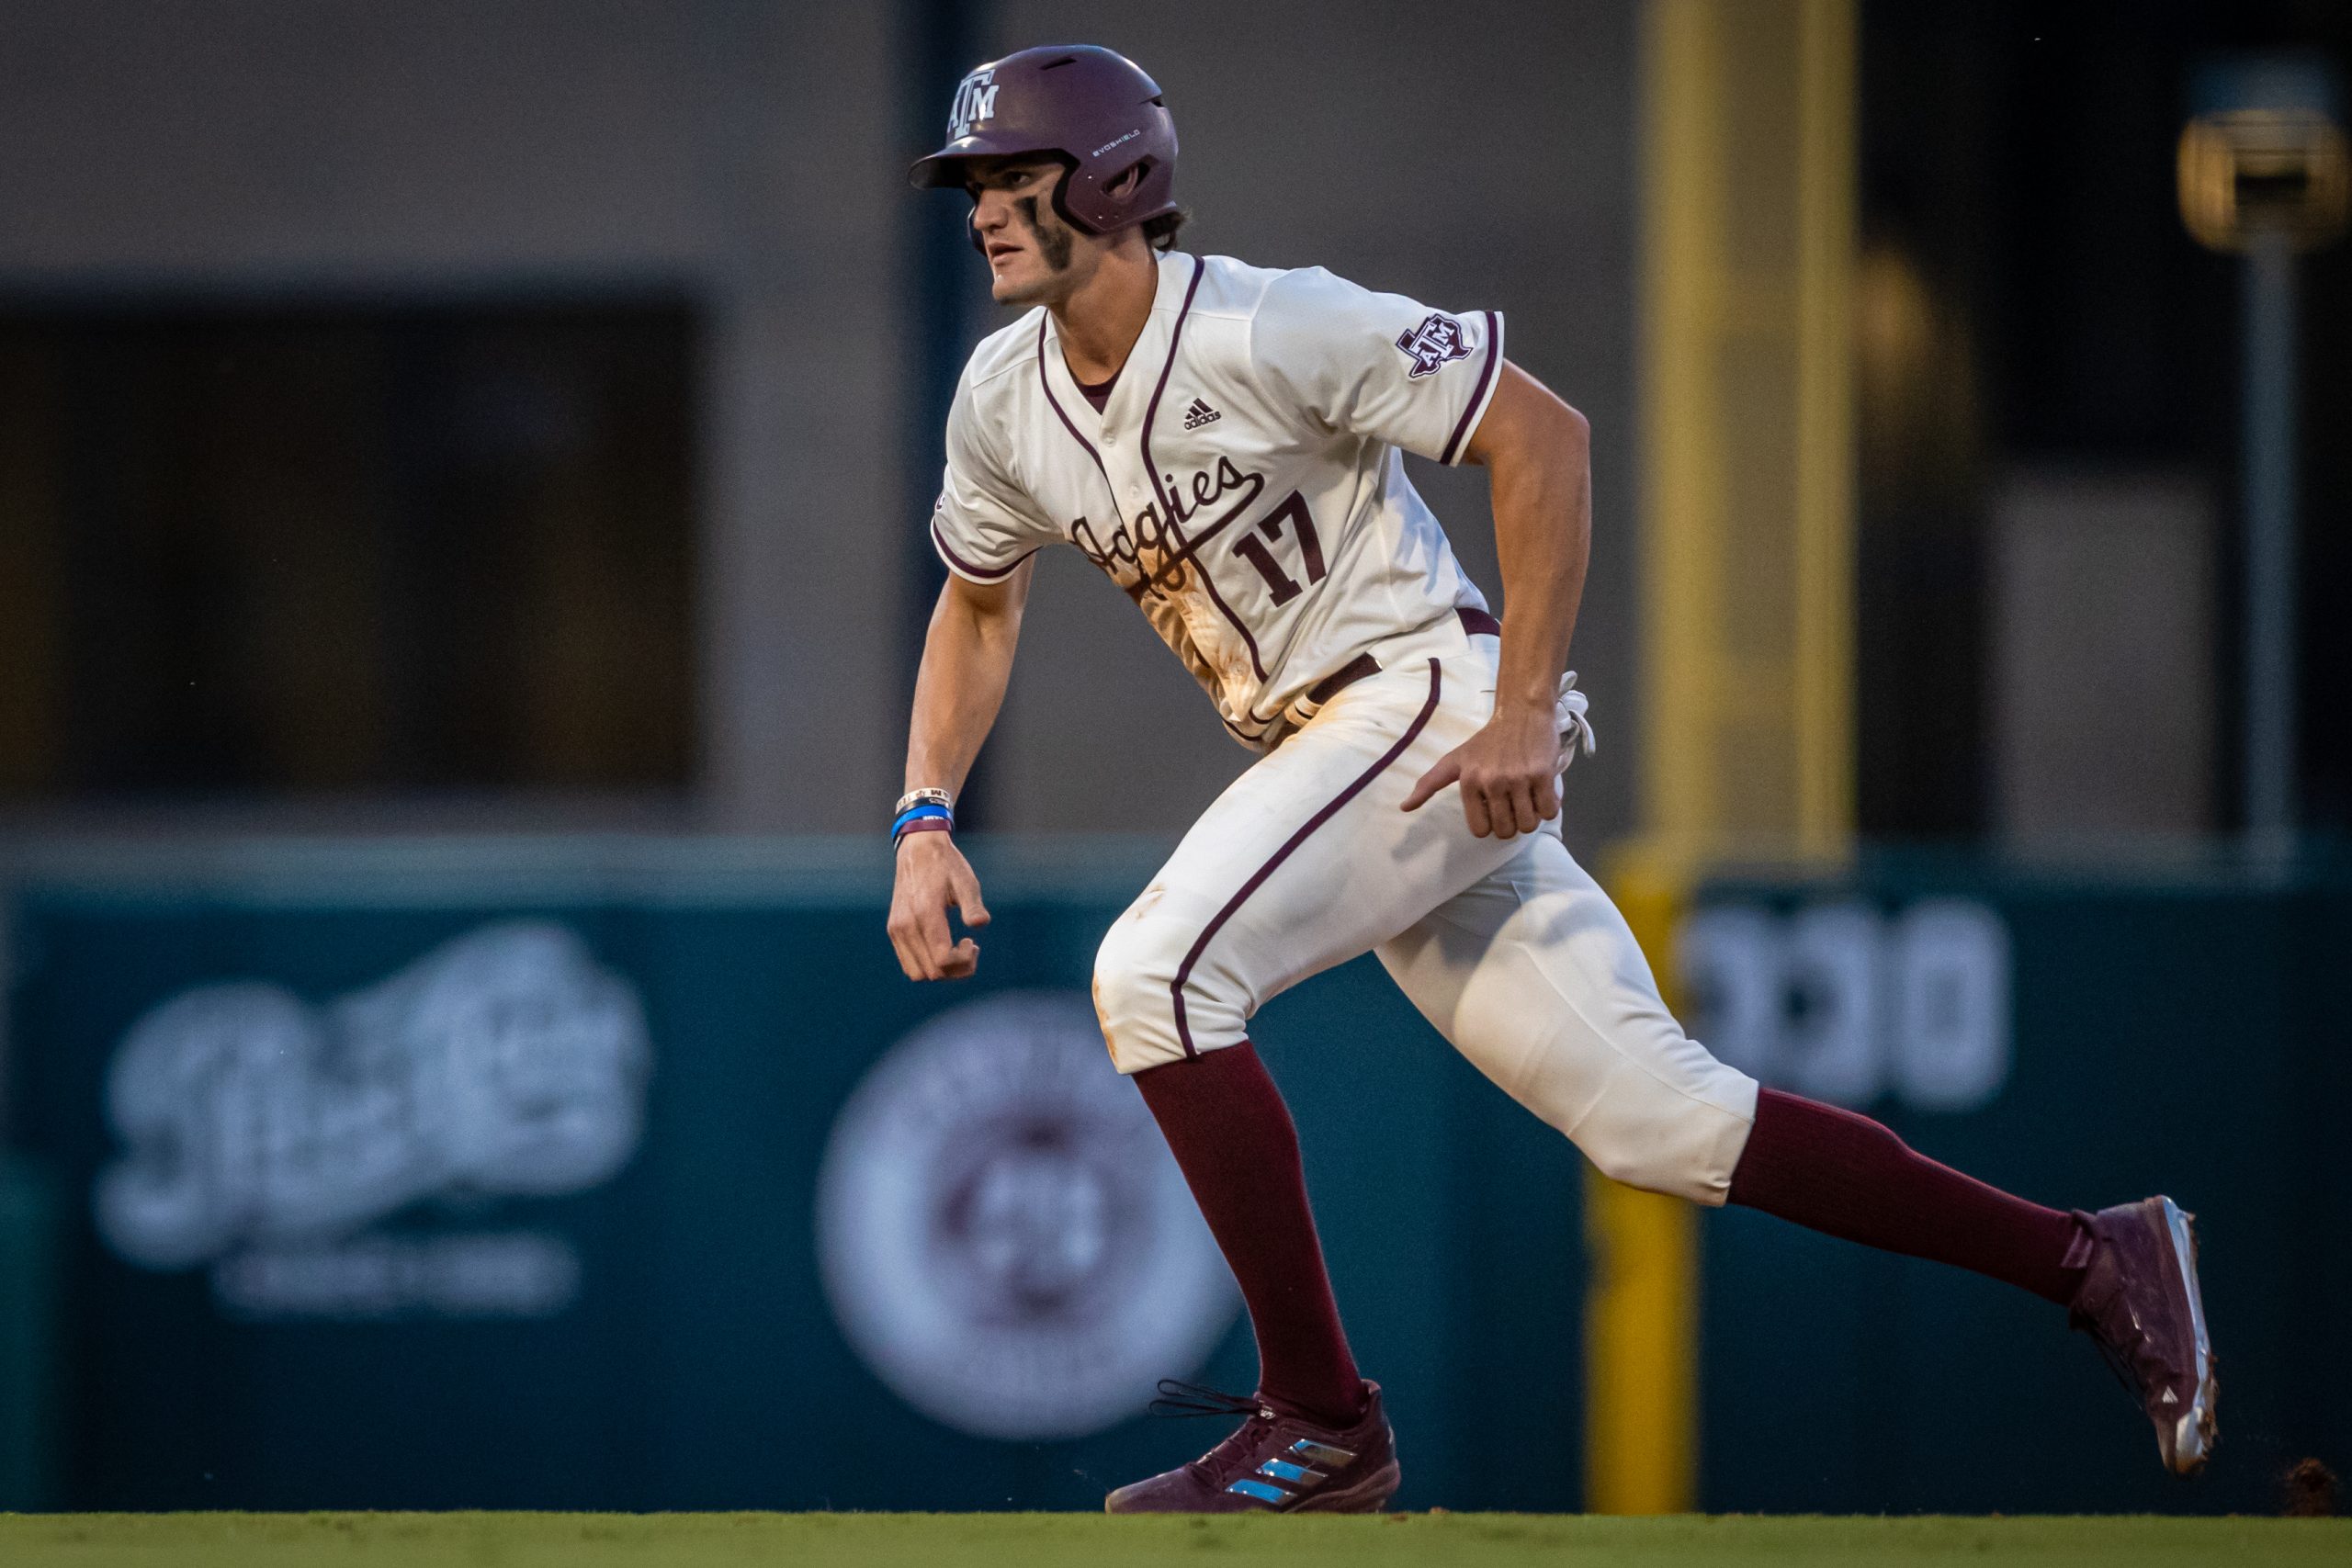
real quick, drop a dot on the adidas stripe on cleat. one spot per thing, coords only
(1275, 1463)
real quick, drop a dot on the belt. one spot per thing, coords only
(1477, 622)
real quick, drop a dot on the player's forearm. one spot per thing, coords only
(966, 661)
(1542, 504)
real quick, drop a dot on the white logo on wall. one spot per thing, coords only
(1003, 1233)
(1843, 1003)
(262, 1135)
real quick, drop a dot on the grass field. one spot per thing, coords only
(1067, 1540)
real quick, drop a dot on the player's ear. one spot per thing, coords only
(1128, 181)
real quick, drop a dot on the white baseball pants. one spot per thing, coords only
(1507, 947)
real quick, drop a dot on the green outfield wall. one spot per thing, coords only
(29, 1347)
(596, 1174)
(2083, 1038)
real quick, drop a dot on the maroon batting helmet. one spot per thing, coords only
(1093, 108)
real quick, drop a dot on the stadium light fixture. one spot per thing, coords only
(2264, 174)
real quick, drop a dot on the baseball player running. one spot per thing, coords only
(1226, 443)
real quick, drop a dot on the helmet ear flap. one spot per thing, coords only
(1108, 198)
(1061, 192)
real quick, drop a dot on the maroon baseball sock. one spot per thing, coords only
(1831, 1170)
(1233, 1137)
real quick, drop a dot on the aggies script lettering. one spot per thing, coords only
(1153, 558)
(1150, 554)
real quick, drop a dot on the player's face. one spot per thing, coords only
(1033, 255)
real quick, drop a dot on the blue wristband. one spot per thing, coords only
(925, 812)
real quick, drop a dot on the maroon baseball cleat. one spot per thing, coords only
(1275, 1465)
(2139, 1299)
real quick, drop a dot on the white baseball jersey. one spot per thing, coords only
(1244, 481)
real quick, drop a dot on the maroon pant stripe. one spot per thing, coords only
(1258, 878)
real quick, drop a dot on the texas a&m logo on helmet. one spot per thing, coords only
(1438, 339)
(974, 101)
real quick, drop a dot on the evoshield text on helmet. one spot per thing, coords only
(1093, 109)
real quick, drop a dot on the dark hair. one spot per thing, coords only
(1160, 233)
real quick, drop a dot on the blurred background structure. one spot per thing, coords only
(461, 478)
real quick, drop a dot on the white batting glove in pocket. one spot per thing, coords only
(1576, 726)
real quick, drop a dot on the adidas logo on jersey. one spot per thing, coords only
(1200, 413)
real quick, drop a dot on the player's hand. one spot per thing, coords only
(934, 877)
(1509, 774)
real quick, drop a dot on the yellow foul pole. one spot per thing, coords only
(1747, 192)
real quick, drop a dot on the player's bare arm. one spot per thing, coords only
(1537, 451)
(966, 660)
